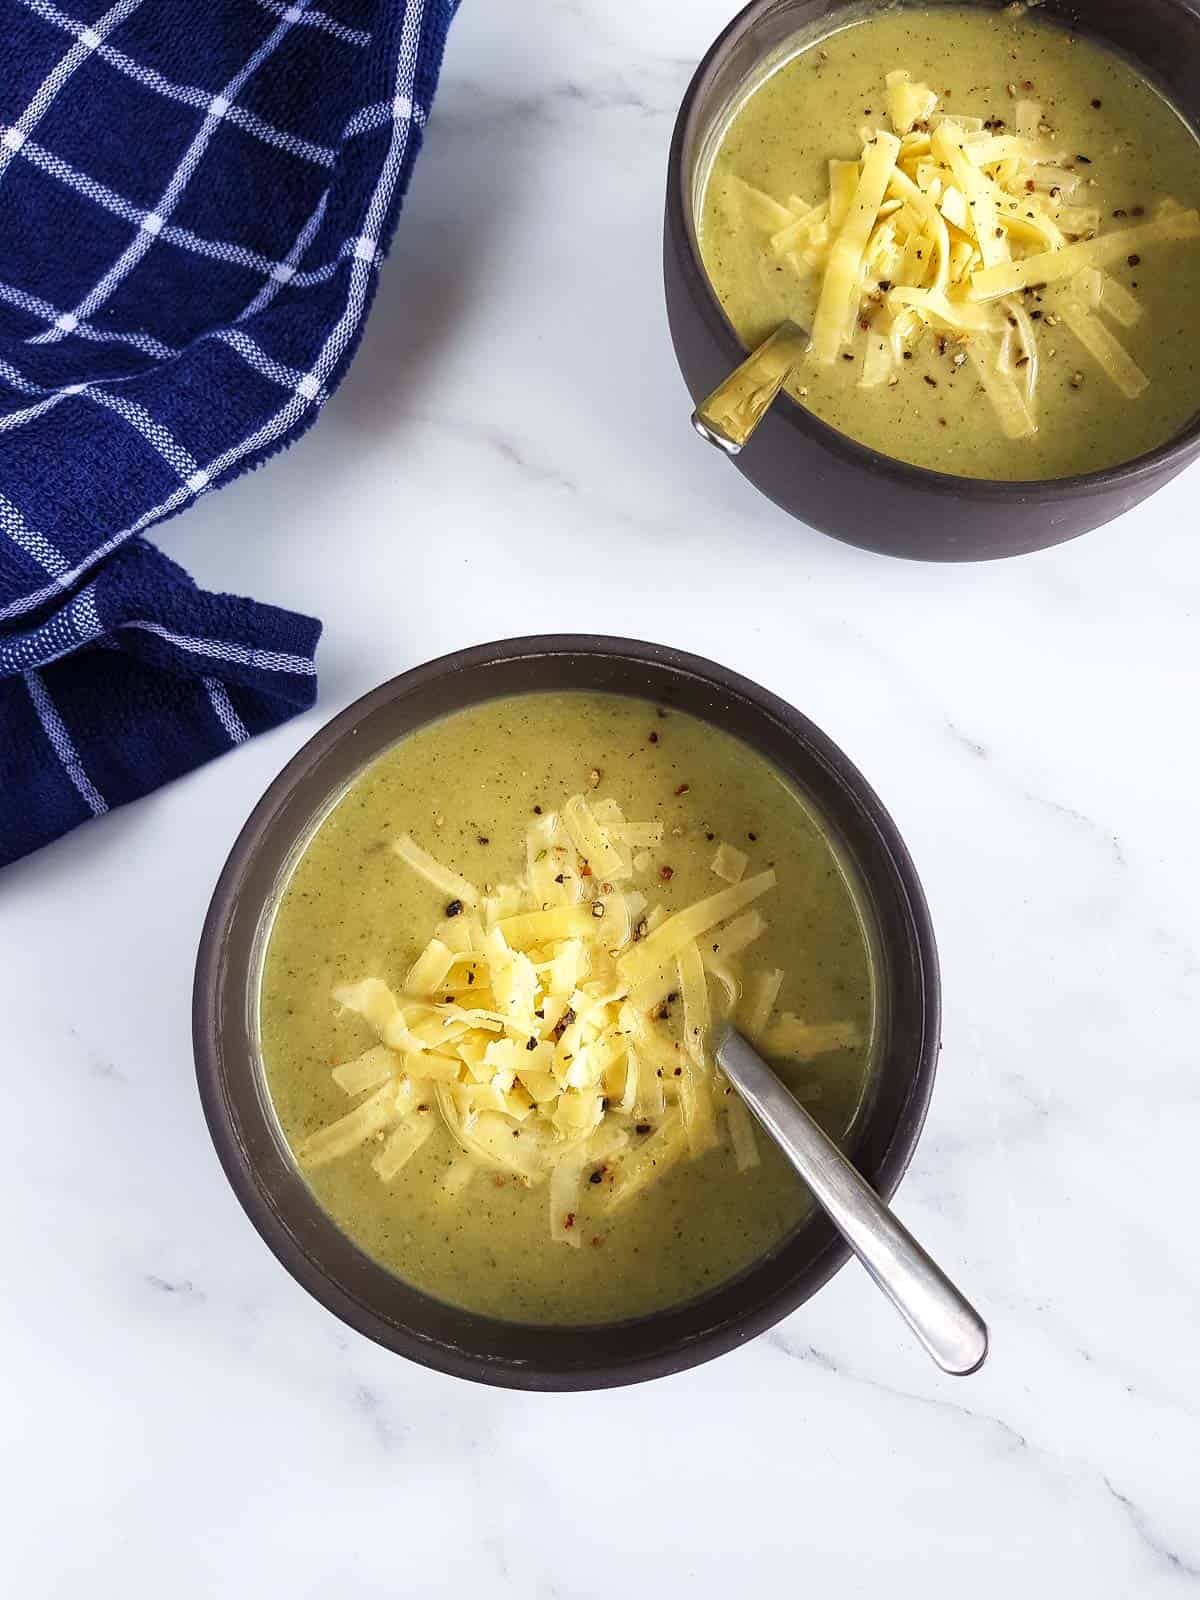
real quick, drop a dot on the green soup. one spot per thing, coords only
(466, 788)
(1124, 143)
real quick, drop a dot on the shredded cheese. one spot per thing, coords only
(1116, 299)
(668, 939)
(730, 863)
(907, 102)
(843, 181)
(945, 223)
(839, 288)
(563, 1035)
(432, 870)
(1115, 361)
(759, 208)
(741, 1132)
(1001, 389)
(1054, 265)
(348, 1132)
(402, 1144)
(760, 1003)
(804, 1041)
(367, 1071)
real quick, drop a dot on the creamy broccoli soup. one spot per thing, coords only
(489, 998)
(989, 227)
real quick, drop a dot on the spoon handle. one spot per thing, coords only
(950, 1329)
(739, 402)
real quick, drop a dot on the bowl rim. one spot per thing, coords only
(210, 977)
(682, 230)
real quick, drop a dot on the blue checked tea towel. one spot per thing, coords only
(195, 199)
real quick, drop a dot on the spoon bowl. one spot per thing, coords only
(949, 1328)
(738, 404)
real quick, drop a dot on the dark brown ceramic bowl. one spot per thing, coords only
(251, 1146)
(822, 476)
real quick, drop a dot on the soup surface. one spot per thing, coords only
(467, 789)
(1117, 149)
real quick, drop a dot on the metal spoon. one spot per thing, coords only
(739, 402)
(951, 1330)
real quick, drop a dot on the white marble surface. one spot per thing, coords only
(178, 1416)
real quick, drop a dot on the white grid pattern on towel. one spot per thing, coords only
(353, 246)
(228, 650)
(61, 634)
(365, 120)
(52, 84)
(285, 272)
(130, 411)
(62, 744)
(317, 19)
(185, 93)
(31, 540)
(365, 256)
(28, 602)
(37, 307)
(154, 223)
(50, 397)
(251, 352)
(154, 432)
(55, 167)
(378, 114)
(255, 356)
(14, 419)
(216, 249)
(226, 711)
(364, 260)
